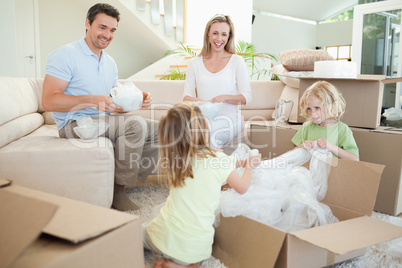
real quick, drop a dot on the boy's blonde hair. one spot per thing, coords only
(332, 101)
(182, 138)
(230, 46)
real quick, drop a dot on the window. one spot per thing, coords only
(346, 15)
(341, 53)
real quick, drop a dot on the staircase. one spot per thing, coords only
(168, 65)
(141, 29)
(164, 18)
(165, 24)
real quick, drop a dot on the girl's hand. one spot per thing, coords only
(307, 145)
(253, 161)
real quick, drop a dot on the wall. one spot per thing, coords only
(62, 22)
(200, 12)
(335, 33)
(8, 66)
(273, 35)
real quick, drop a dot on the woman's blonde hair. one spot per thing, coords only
(332, 101)
(230, 46)
(183, 136)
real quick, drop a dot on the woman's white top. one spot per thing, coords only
(233, 79)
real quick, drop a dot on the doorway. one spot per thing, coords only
(377, 44)
(27, 38)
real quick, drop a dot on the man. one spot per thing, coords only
(79, 77)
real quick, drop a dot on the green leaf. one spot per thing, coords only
(174, 75)
(183, 50)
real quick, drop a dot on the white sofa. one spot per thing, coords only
(32, 154)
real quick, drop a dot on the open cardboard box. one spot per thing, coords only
(363, 96)
(43, 230)
(382, 145)
(352, 190)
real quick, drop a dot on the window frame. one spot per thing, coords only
(337, 52)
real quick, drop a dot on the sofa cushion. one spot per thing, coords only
(49, 120)
(302, 59)
(291, 93)
(265, 95)
(81, 170)
(19, 127)
(37, 86)
(17, 98)
(283, 75)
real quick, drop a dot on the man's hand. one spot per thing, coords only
(105, 104)
(147, 99)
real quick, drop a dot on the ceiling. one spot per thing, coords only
(315, 10)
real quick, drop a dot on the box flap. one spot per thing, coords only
(238, 243)
(378, 77)
(372, 77)
(22, 220)
(346, 236)
(392, 80)
(353, 185)
(4, 183)
(388, 130)
(76, 221)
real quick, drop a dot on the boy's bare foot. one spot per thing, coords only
(121, 201)
(170, 264)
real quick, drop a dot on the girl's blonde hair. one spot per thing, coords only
(182, 138)
(332, 101)
(230, 46)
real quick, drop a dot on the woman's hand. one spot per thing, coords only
(220, 98)
(231, 99)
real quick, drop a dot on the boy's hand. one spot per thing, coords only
(322, 143)
(325, 144)
(307, 145)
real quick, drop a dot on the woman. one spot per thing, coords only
(219, 75)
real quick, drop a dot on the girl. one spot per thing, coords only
(219, 75)
(183, 232)
(322, 105)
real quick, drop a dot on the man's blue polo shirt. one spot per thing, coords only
(78, 65)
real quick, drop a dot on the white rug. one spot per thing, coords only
(388, 254)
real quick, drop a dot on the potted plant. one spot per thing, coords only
(254, 60)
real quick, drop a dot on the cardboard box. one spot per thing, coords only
(271, 140)
(383, 145)
(43, 230)
(352, 189)
(363, 97)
